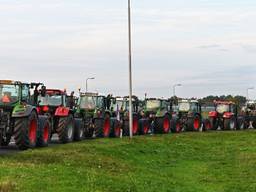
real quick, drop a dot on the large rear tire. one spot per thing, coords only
(143, 126)
(78, 132)
(25, 131)
(162, 124)
(65, 129)
(44, 135)
(214, 124)
(241, 123)
(115, 128)
(135, 125)
(176, 126)
(207, 125)
(126, 130)
(229, 124)
(102, 127)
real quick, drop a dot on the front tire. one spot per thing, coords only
(230, 124)
(78, 132)
(65, 129)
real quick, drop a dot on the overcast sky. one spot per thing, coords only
(207, 45)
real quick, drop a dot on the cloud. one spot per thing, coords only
(213, 46)
(249, 48)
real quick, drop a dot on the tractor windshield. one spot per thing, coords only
(221, 108)
(118, 106)
(100, 101)
(50, 100)
(184, 106)
(87, 102)
(9, 94)
(153, 104)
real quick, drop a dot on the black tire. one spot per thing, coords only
(78, 131)
(162, 125)
(144, 126)
(65, 129)
(25, 131)
(207, 126)
(214, 124)
(254, 124)
(126, 130)
(88, 129)
(241, 123)
(115, 128)
(102, 127)
(194, 123)
(6, 141)
(44, 132)
(176, 126)
(229, 124)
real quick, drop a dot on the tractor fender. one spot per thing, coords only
(228, 115)
(62, 111)
(213, 114)
(23, 110)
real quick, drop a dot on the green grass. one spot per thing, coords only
(212, 161)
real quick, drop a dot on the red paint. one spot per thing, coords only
(213, 114)
(166, 125)
(146, 128)
(135, 126)
(106, 127)
(228, 115)
(178, 127)
(32, 131)
(196, 123)
(46, 133)
(62, 111)
(45, 108)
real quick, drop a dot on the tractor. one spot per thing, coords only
(93, 110)
(249, 111)
(157, 115)
(187, 116)
(53, 104)
(120, 108)
(19, 117)
(226, 116)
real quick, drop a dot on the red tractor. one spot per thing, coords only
(225, 116)
(53, 103)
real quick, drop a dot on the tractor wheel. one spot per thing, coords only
(65, 129)
(214, 125)
(143, 126)
(176, 126)
(254, 124)
(102, 127)
(88, 129)
(115, 129)
(44, 132)
(229, 124)
(135, 125)
(194, 123)
(5, 142)
(78, 132)
(126, 130)
(162, 124)
(25, 131)
(241, 123)
(207, 125)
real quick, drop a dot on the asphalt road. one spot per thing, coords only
(12, 148)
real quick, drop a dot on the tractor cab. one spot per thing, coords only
(224, 109)
(50, 100)
(156, 107)
(189, 106)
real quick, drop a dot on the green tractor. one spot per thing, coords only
(187, 116)
(92, 109)
(120, 110)
(157, 115)
(19, 117)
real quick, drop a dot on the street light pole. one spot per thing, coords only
(247, 93)
(130, 69)
(91, 78)
(174, 88)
